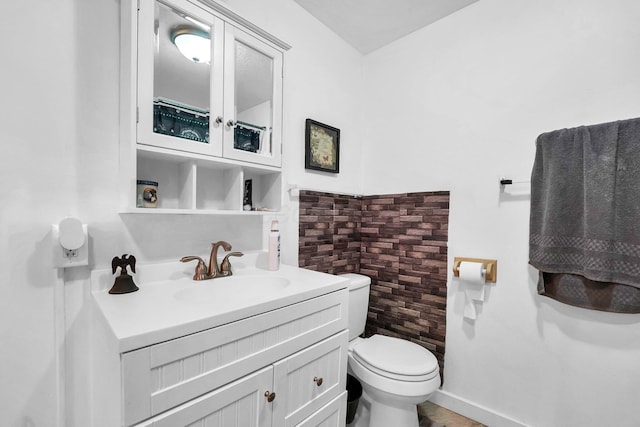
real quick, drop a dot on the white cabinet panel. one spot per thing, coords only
(239, 404)
(177, 96)
(253, 99)
(332, 415)
(310, 379)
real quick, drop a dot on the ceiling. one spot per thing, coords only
(370, 24)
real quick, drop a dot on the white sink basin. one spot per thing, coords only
(233, 288)
(170, 304)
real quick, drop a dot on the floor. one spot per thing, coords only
(432, 415)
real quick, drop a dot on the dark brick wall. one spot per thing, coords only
(398, 240)
(404, 251)
(329, 232)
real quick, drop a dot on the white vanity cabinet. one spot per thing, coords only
(284, 367)
(201, 124)
(274, 396)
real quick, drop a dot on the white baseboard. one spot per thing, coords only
(472, 410)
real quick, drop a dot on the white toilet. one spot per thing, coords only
(395, 374)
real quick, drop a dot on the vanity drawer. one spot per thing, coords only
(333, 414)
(165, 375)
(310, 379)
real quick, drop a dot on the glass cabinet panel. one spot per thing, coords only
(253, 94)
(253, 99)
(179, 77)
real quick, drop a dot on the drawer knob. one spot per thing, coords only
(270, 396)
(318, 381)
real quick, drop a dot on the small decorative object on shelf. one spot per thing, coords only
(147, 194)
(247, 202)
(322, 147)
(124, 282)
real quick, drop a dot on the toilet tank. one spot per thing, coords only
(358, 302)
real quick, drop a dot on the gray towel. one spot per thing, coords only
(585, 202)
(577, 290)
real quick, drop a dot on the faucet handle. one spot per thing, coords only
(225, 266)
(201, 268)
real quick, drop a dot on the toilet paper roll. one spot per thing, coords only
(472, 278)
(472, 282)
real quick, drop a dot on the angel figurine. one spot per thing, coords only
(124, 282)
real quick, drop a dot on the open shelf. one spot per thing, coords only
(155, 211)
(191, 183)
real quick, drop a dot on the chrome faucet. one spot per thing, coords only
(203, 272)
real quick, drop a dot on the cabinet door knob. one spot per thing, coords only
(318, 381)
(270, 396)
(231, 123)
(219, 120)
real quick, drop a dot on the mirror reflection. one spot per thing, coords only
(253, 99)
(181, 77)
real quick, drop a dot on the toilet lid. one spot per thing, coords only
(396, 357)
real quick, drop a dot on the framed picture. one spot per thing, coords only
(322, 147)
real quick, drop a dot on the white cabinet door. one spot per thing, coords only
(333, 414)
(239, 404)
(179, 99)
(230, 106)
(253, 99)
(310, 379)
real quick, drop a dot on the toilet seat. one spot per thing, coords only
(396, 358)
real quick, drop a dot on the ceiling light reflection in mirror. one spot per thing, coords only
(176, 78)
(193, 43)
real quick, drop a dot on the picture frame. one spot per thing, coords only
(322, 147)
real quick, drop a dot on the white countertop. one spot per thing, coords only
(158, 311)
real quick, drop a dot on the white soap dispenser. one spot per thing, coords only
(274, 246)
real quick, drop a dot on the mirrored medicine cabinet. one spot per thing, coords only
(202, 90)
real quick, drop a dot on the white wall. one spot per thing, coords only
(467, 97)
(59, 156)
(38, 174)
